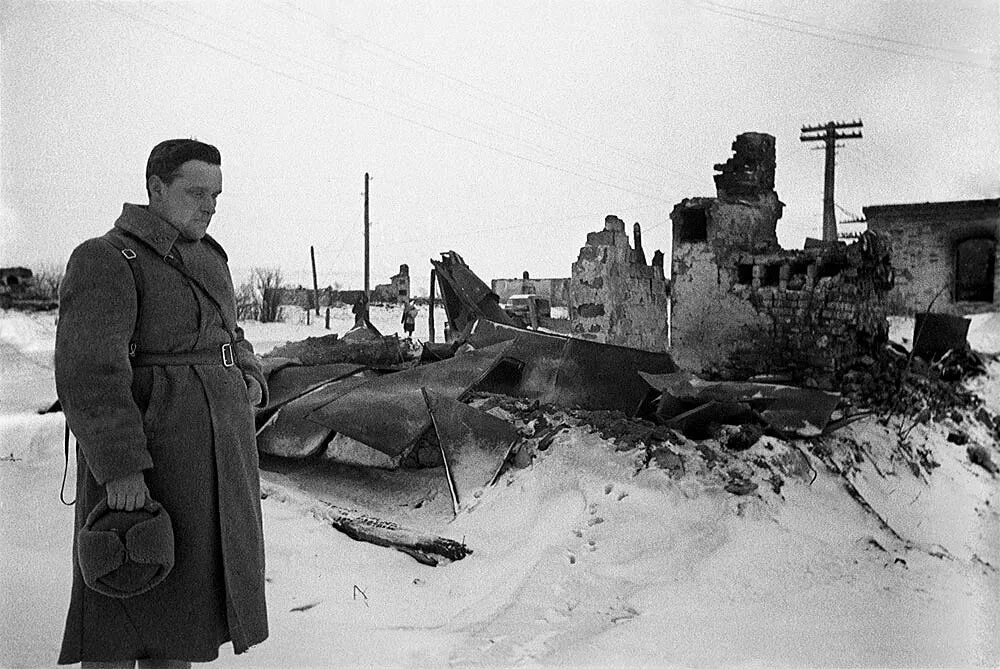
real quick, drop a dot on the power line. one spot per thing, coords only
(556, 222)
(366, 105)
(259, 43)
(878, 38)
(518, 110)
(734, 12)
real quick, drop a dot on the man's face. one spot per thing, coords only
(188, 203)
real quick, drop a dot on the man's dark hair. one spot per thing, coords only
(167, 157)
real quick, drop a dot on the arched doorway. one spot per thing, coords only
(975, 269)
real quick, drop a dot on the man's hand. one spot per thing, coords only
(254, 391)
(128, 492)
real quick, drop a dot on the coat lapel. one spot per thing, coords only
(154, 231)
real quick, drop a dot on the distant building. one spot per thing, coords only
(13, 278)
(397, 290)
(942, 250)
(556, 290)
(13, 283)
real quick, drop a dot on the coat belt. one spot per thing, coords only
(222, 355)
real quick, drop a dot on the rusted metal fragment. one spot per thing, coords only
(289, 434)
(466, 297)
(790, 411)
(474, 444)
(292, 381)
(570, 372)
(936, 334)
(696, 423)
(341, 448)
(389, 413)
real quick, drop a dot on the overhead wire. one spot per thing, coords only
(549, 222)
(878, 38)
(737, 13)
(479, 92)
(260, 42)
(109, 7)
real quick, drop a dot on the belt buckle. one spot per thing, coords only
(227, 355)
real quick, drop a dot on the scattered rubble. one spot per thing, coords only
(980, 456)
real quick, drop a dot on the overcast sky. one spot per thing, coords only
(502, 130)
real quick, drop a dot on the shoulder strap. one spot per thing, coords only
(177, 265)
(130, 256)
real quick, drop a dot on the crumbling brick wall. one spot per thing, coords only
(927, 241)
(614, 296)
(823, 307)
(741, 305)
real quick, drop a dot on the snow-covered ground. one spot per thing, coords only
(582, 558)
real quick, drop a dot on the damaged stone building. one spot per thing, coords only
(615, 297)
(942, 251)
(742, 306)
(396, 291)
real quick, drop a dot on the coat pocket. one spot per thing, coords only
(157, 396)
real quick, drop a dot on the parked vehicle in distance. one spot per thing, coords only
(523, 305)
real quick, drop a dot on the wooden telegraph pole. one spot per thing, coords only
(828, 134)
(312, 256)
(430, 311)
(367, 227)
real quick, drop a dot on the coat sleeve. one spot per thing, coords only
(97, 313)
(250, 365)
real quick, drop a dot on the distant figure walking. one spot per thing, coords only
(360, 311)
(409, 318)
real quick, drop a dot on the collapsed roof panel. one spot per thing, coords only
(474, 445)
(791, 411)
(571, 372)
(389, 413)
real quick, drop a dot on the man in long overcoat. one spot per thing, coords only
(158, 383)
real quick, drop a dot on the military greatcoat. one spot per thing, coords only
(188, 427)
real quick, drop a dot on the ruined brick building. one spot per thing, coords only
(615, 297)
(397, 290)
(741, 305)
(942, 250)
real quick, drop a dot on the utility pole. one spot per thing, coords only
(828, 134)
(367, 226)
(312, 256)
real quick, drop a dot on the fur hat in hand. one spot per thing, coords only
(125, 553)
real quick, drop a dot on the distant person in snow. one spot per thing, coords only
(158, 384)
(360, 311)
(409, 318)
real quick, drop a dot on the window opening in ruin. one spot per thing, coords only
(694, 226)
(975, 266)
(12, 280)
(744, 274)
(771, 275)
(829, 269)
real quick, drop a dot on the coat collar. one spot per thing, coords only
(138, 220)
